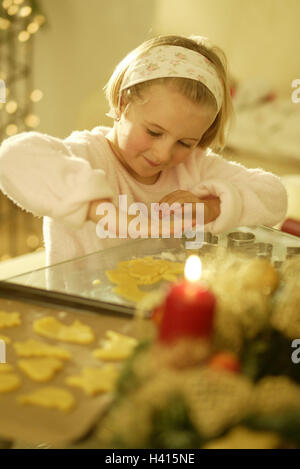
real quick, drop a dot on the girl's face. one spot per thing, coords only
(158, 133)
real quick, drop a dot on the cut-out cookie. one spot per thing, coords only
(35, 348)
(95, 380)
(119, 277)
(51, 397)
(142, 271)
(76, 333)
(40, 369)
(116, 347)
(130, 292)
(6, 367)
(9, 382)
(9, 319)
(6, 339)
(147, 269)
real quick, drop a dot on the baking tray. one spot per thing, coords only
(40, 425)
(72, 283)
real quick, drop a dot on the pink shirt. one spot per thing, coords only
(56, 179)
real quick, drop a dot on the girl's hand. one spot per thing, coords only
(92, 215)
(211, 203)
(92, 209)
(211, 210)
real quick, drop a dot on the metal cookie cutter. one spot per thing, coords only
(278, 264)
(292, 251)
(210, 243)
(263, 249)
(209, 238)
(240, 239)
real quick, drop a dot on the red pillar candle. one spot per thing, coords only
(188, 310)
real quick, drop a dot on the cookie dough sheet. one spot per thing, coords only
(38, 424)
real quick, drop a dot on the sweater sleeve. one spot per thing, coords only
(42, 175)
(248, 197)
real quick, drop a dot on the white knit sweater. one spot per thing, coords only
(56, 179)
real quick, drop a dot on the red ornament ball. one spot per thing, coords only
(225, 361)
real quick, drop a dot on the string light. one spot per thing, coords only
(23, 36)
(32, 121)
(28, 11)
(33, 28)
(12, 10)
(36, 95)
(6, 4)
(4, 24)
(25, 11)
(11, 129)
(39, 19)
(22, 20)
(11, 107)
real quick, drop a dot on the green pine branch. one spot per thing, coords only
(269, 355)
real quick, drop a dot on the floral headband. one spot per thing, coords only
(174, 61)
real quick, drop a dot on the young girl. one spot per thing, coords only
(170, 102)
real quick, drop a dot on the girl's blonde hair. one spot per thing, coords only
(194, 90)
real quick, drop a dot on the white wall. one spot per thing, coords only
(261, 38)
(76, 53)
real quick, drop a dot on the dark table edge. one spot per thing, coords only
(25, 293)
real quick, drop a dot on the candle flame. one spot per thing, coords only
(193, 268)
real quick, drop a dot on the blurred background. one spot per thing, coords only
(57, 55)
